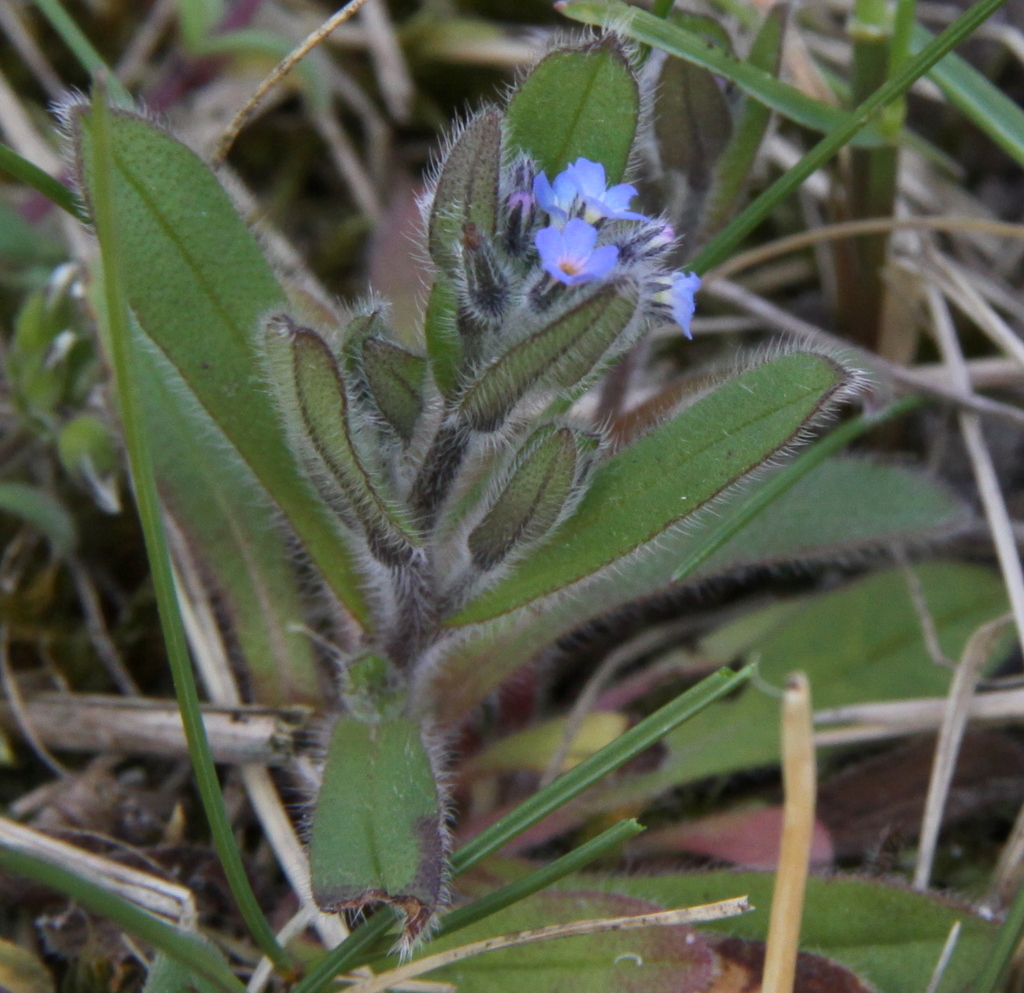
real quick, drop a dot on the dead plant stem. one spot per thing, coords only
(800, 785)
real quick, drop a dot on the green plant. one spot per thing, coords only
(431, 485)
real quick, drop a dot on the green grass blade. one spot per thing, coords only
(784, 480)
(570, 784)
(82, 49)
(504, 897)
(658, 33)
(42, 182)
(972, 94)
(359, 947)
(187, 949)
(722, 246)
(141, 461)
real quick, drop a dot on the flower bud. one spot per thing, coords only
(557, 356)
(467, 190)
(532, 500)
(394, 381)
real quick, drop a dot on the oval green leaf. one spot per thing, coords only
(577, 103)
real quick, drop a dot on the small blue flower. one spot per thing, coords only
(557, 198)
(584, 182)
(569, 255)
(679, 296)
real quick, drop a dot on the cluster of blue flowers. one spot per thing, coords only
(577, 203)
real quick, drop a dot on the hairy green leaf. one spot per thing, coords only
(619, 543)
(577, 103)
(377, 832)
(197, 283)
(668, 475)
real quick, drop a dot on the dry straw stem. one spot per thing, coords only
(278, 73)
(1006, 875)
(944, 956)
(31, 54)
(976, 654)
(96, 625)
(957, 287)
(781, 320)
(849, 229)
(799, 781)
(924, 614)
(166, 899)
(79, 722)
(901, 718)
(666, 918)
(981, 458)
(393, 77)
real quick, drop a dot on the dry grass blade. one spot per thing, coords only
(346, 161)
(850, 229)
(22, 720)
(96, 625)
(278, 73)
(924, 614)
(169, 900)
(393, 77)
(899, 718)
(31, 54)
(956, 286)
(976, 654)
(947, 953)
(781, 320)
(996, 514)
(666, 918)
(799, 778)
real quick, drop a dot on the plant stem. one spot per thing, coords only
(871, 187)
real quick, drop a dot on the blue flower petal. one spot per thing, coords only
(684, 286)
(602, 261)
(580, 237)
